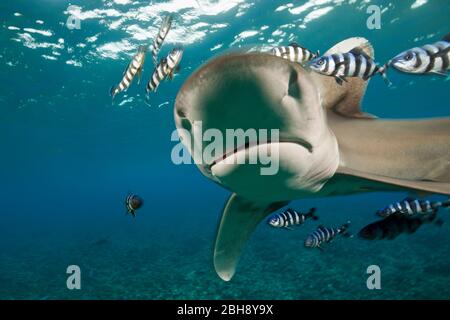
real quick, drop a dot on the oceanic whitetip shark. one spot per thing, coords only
(328, 146)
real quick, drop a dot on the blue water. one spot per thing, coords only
(69, 156)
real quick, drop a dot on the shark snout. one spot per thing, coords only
(264, 112)
(244, 91)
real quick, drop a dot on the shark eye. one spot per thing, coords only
(321, 62)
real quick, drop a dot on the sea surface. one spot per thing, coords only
(69, 156)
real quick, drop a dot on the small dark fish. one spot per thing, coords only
(391, 227)
(355, 63)
(325, 235)
(133, 203)
(133, 68)
(410, 207)
(430, 58)
(290, 218)
(294, 53)
(160, 37)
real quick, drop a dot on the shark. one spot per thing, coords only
(328, 145)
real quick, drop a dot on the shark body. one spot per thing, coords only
(328, 146)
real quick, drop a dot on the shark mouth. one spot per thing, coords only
(250, 144)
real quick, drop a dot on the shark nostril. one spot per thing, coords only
(186, 124)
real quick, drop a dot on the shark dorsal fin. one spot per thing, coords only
(345, 99)
(356, 43)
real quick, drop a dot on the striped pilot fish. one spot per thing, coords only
(165, 68)
(290, 218)
(294, 53)
(355, 63)
(160, 37)
(411, 207)
(173, 61)
(133, 68)
(431, 58)
(159, 74)
(391, 227)
(325, 235)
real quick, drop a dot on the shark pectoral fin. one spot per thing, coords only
(399, 183)
(239, 219)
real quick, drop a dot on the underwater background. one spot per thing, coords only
(69, 156)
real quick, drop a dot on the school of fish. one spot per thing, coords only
(167, 67)
(402, 217)
(427, 59)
